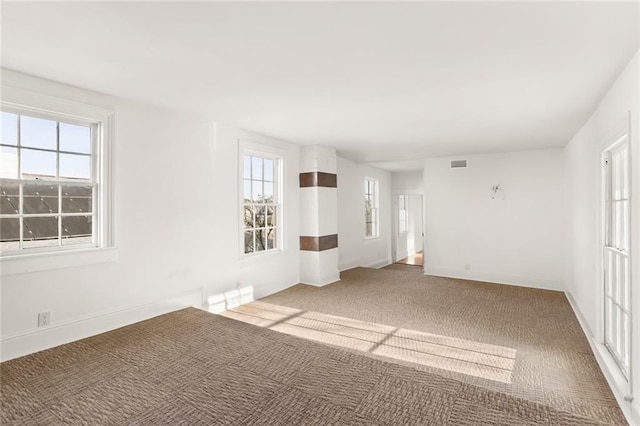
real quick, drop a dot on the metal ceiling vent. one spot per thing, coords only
(458, 164)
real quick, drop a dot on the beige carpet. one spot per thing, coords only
(553, 363)
(192, 367)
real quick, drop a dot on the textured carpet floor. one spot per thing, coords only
(192, 367)
(554, 365)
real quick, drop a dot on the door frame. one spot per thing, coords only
(394, 219)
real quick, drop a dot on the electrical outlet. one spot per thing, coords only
(467, 267)
(44, 319)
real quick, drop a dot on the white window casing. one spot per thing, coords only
(20, 258)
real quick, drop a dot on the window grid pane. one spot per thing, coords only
(371, 208)
(616, 262)
(260, 204)
(38, 208)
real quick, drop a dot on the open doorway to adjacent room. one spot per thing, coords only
(407, 230)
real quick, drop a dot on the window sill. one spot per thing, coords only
(36, 262)
(371, 239)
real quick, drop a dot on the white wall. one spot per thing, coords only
(353, 249)
(516, 238)
(409, 182)
(176, 221)
(583, 272)
(414, 238)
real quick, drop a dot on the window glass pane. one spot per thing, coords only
(8, 162)
(256, 166)
(10, 197)
(268, 192)
(40, 231)
(75, 138)
(38, 133)
(247, 189)
(10, 233)
(260, 217)
(38, 164)
(248, 241)
(9, 129)
(75, 166)
(40, 198)
(246, 167)
(76, 230)
(271, 238)
(268, 170)
(257, 190)
(369, 229)
(248, 217)
(271, 216)
(261, 240)
(77, 199)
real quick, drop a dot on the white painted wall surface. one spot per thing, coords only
(516, 238)
(353, 249)
(176, 221)
(582, 162)
(407, 182)
(414, 238)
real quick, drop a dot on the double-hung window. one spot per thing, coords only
(261, 205)
(403, 214)
(52, 181)
(371, 207)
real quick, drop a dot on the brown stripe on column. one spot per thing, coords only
(327, 180)
(325, 242)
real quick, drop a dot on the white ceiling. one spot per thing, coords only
(378, 81)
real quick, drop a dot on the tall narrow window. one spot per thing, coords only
(371, 207)
(49, 184)
(261, 203)
(617, 306)
(403, 214)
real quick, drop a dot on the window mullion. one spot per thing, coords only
(20, 214)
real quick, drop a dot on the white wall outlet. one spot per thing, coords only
(44, 319)
(467, 267)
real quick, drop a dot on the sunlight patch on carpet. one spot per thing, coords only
(467, 357)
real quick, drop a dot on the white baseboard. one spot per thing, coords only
(379, 263)
(618, 384)
(515, 280)
(38, 339)
(323, 281)
(349, 265)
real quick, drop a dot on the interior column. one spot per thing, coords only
(319, 216)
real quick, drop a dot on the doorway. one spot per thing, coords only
(407, 230)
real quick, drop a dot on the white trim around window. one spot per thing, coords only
(101, 248)
(371, 208)
(266, 206)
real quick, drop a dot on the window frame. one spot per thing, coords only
(265, 152)
(375, 228)
(403, 214)
(617, 246)
(101, 121)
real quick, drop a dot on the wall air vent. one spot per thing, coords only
(458, 164)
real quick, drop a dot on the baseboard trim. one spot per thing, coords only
(514, 280)
(321, 281)
(38, 339)
(379, 263)
(347, 266)
(607, 365)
